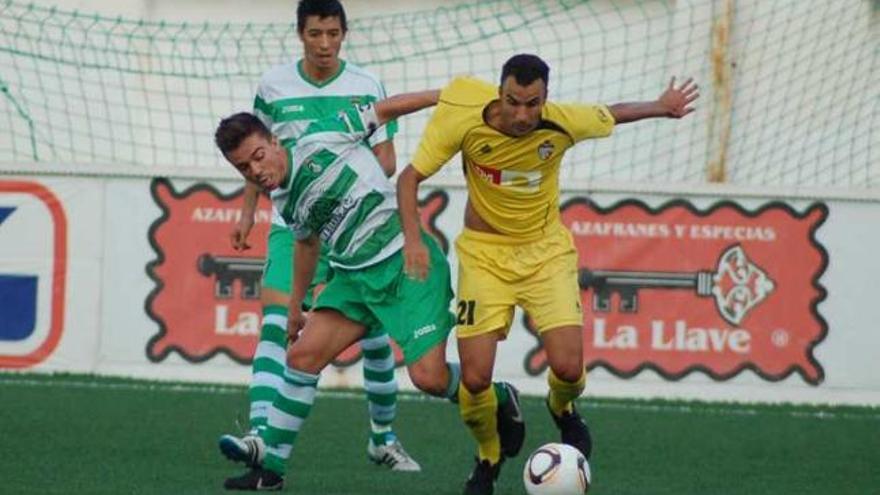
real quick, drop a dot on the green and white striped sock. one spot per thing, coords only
(286, 416)
(380, 385)
(269, 363)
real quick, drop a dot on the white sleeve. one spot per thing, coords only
(383, 133)
(369, 120)
(261, 107)
(359, 122)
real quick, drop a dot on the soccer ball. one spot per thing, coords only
(556, 469)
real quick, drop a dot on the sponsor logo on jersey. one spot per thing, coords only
(680, 289)
(525, 180)
(335, 217)
(295, 108)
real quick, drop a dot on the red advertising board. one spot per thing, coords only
(207, 295)
(679, 289)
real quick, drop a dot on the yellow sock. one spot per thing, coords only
(478, 413)
(563, 393)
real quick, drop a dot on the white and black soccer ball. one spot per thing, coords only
(556, 469)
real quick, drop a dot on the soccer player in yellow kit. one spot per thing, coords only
(514, 250)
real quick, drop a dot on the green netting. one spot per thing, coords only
(790, 87)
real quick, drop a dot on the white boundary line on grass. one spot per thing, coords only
(720, 410)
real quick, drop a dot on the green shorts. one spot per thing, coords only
(414, 312)
(278, 271)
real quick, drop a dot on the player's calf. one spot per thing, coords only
(431, 373)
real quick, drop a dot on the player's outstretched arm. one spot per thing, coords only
(674, 103)
(405, 103)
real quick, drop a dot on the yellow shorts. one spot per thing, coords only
(497, 272)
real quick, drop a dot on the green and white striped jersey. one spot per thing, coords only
(287, 101)
(337, 190)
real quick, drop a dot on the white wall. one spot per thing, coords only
(135, 303)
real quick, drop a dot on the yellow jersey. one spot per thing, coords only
(513, 182)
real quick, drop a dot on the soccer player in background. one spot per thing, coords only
(514, 249)
(329, 189)
(289, 98)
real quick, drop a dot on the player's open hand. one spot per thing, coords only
(416, 262)
(241, 231)
(676, 100)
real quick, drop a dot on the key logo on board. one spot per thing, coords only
(207, 295)
(679, 289)
(33, 265)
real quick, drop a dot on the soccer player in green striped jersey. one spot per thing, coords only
(289, 97)
(330, 189)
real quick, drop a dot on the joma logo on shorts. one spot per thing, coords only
(424, 330)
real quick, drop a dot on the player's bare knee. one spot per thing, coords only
(430, 373)
(476, 381)
(428, 381)
(569, 371)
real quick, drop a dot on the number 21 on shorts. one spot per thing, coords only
(466, 312)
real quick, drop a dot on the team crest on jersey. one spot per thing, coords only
(545, 150)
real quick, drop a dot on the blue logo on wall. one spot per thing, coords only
(19, 295)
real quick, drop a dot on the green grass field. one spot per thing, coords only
(84, 435)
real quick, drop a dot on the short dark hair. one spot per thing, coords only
(525, 69)
(233, 130)
(322, 9)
